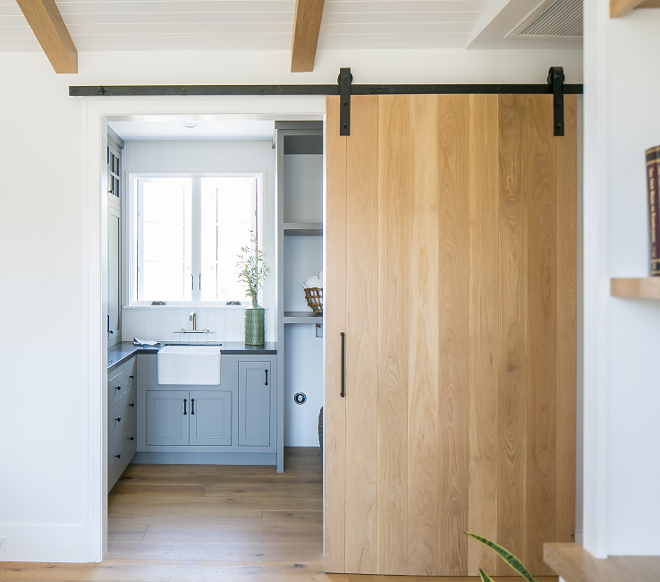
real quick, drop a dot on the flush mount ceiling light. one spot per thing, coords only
(189, 125)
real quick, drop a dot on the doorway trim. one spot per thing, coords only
(97, 114)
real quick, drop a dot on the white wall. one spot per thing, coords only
(226, 322)
(622, 336)
(47, 458)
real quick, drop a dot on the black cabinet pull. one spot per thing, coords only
(185, 401)
(343, 364)
(132, 376)
(131, 438)
(132, 404)
(192, 406)
(118, 419)
(118, 456)
(118, 387)
(266, 377)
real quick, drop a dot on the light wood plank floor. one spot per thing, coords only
(177, 523)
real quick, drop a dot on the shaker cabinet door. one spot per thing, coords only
(254, 394)
(168, 414)
(210, 417)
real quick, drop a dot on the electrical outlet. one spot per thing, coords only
(3, 544)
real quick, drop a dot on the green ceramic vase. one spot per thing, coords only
(254, 325)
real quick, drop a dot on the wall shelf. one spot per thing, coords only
(575, 564)
(303, 228)
(637, 287)
(619, 8)
(302, 317)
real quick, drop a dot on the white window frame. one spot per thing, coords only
(132, 222)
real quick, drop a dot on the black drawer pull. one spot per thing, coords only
(185, 401)
(118, 419)
(266, 377)
(131, 438)
(132, 404)
(132, 376)
(118, 387)
(192, 406)
(118, 456)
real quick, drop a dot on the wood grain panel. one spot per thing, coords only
(512, 361)
(423, 528)
(334, 410)
(453, 332)
(393, 332)
(566, 323)
(306, 26)
(362, 337)
(541, 186)
(47, 25)
(640, 287)
(484, 319)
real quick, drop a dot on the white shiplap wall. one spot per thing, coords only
(159, 322)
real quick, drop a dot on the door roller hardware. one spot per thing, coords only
(345, 88)
(300, 398)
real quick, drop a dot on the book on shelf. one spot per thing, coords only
(652, 180)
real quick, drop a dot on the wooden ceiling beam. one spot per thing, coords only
(306, 26)
(46, 22)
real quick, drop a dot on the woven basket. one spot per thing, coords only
(314, 296)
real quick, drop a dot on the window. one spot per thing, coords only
(187, 232)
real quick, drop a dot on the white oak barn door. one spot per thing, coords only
(451, 273)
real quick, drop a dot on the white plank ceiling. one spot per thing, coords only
(113, 25)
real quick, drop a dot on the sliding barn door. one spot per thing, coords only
(451, 272)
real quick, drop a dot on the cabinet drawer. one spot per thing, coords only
(121, 415)
(121, 382)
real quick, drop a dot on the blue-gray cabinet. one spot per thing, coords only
(122, 418)
(183, 417)
(210, 417)
(234, 422)
(167, 417)
(254, 387)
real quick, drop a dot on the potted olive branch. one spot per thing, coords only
(253, 272)
(506, 555)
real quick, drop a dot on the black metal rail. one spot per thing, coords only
(344, 87)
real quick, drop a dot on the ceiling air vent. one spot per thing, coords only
(552, 19)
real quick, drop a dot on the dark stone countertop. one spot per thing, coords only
(125, 350)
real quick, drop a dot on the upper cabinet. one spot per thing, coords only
(115, 146)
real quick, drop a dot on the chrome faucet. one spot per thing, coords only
(193, 317)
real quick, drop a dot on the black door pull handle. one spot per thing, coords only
(266, 377)
(343, 365)
(192, 406)
(185, 401)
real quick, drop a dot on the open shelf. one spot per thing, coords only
(575, 564)
(619, 8)
(302, 317)
(303, 228)
(639, 287)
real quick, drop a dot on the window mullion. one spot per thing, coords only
(197, 238)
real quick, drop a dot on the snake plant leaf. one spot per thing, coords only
(484, 577)
(506, 555)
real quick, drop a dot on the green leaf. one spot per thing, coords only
(484, 577)
(506, 555)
